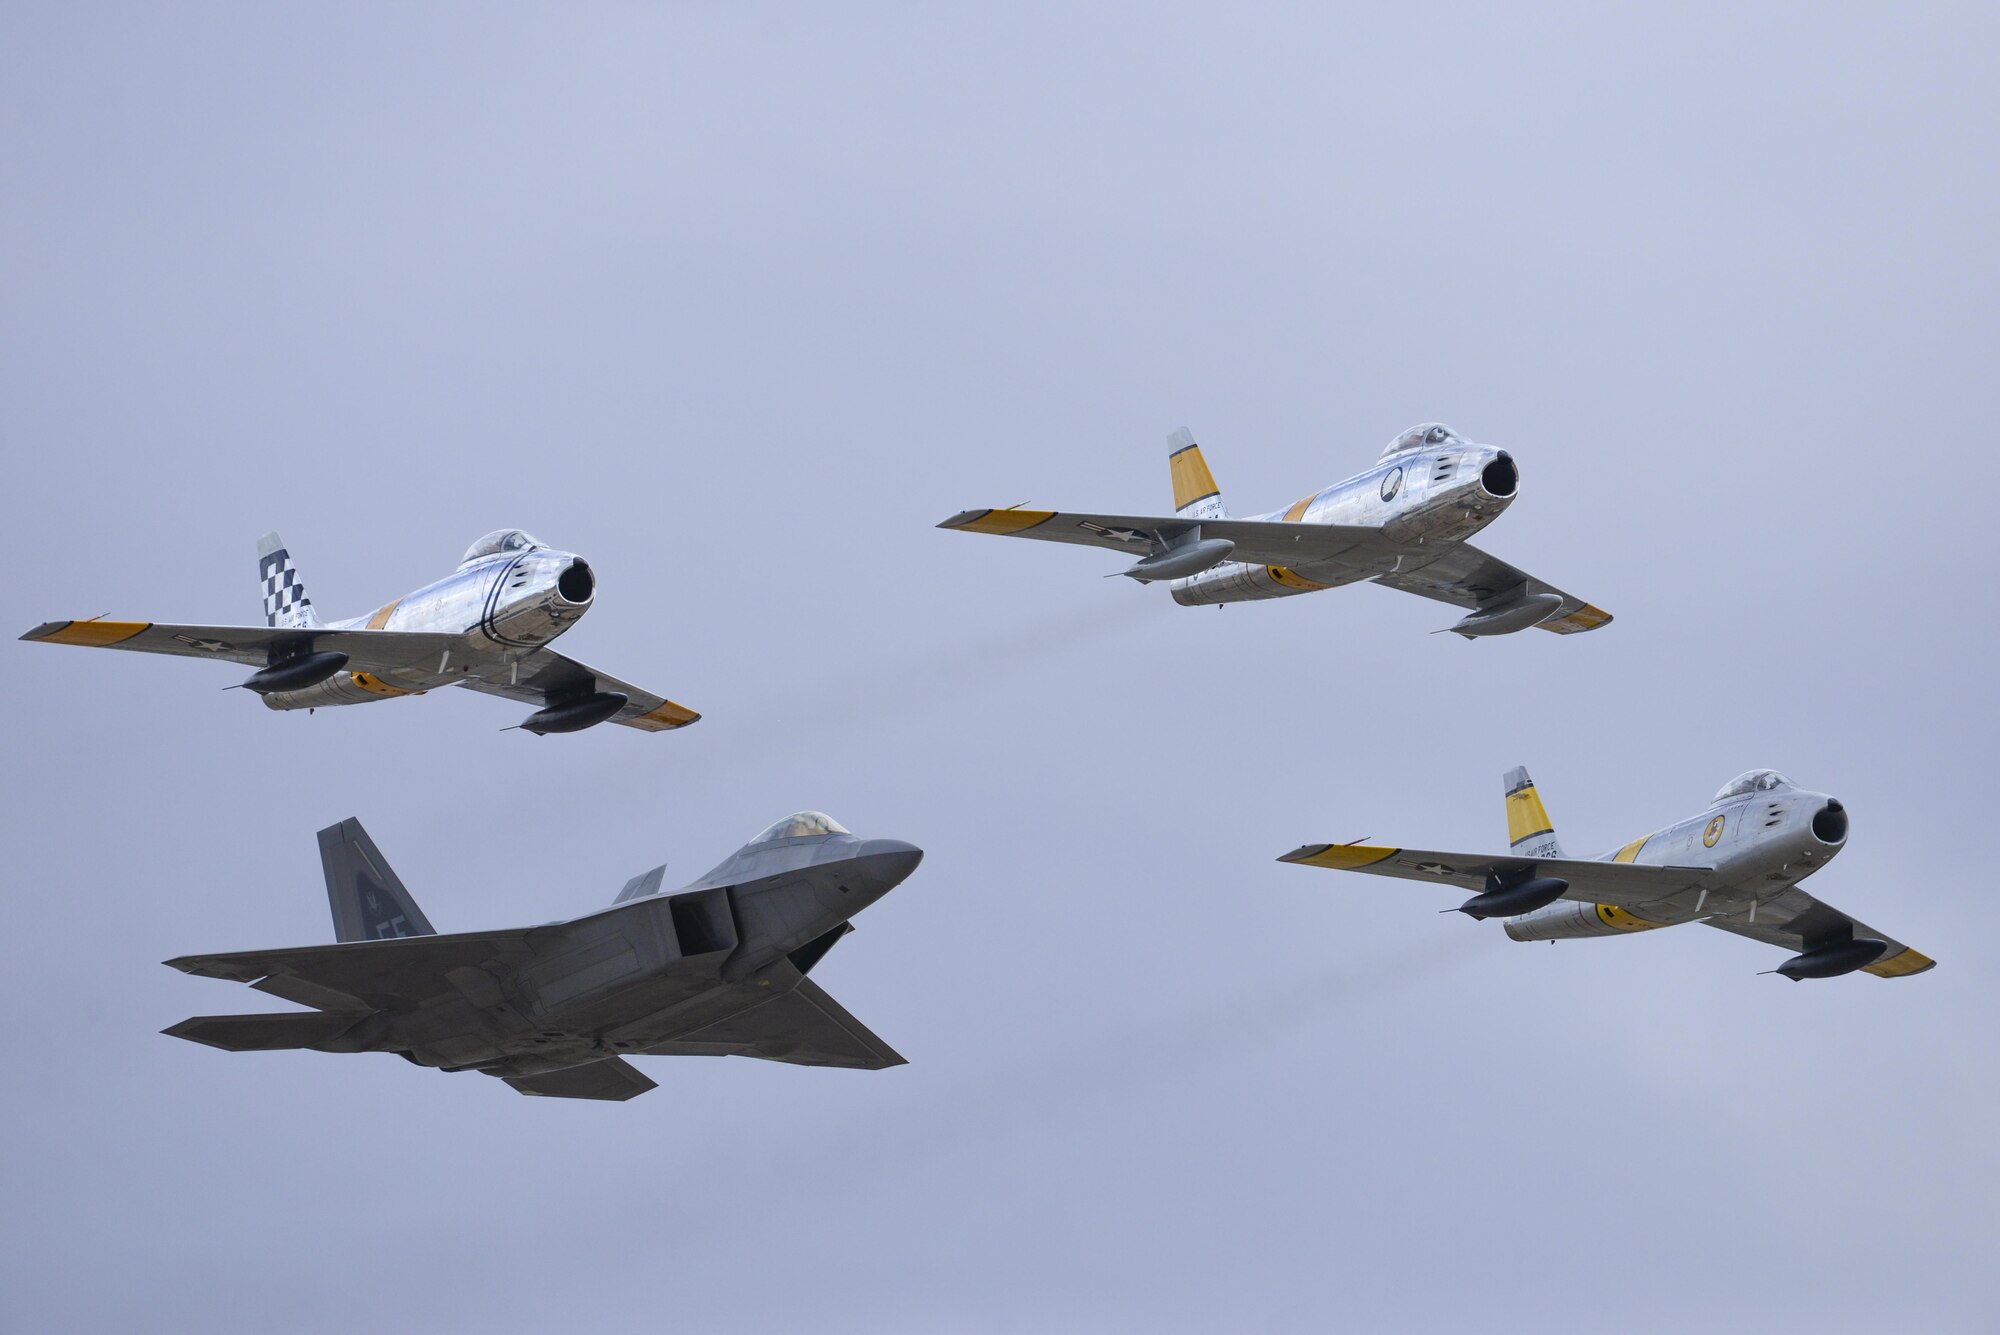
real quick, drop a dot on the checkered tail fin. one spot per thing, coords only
(285, 601)
(1195, 494)
(1530, 833)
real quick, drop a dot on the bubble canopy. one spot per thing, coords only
(500, 542)
(801, 825)
(1752, 781)
(1421, 435)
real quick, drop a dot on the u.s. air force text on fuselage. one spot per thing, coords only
(486, 626)
(1737, 866)
(716, 968)
(1403, 523)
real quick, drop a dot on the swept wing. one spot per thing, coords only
(366, 650)
(1464, 576)
(363, 975)
(545, 676)
(1257, 541)
(1795, 931)
(537, 678)
(1455, 573)
(804, 1026)
(1623, 884)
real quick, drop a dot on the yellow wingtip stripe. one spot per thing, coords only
(1901, 964)
(668, 716)
(98, 633)
(998, 521)
(1339, 857)
(1584, 618)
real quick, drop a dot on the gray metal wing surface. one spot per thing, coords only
(803, 1026)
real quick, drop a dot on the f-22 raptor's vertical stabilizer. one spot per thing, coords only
(368, 898)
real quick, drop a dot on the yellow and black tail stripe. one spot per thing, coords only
(1340, 857)
(96, 633)
(1193, 483)
(1901, 964)
(998, 521)
(1526, 817)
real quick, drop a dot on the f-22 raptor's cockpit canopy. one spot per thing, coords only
(1752, 781)
(800, 825)
(1421, 435)
(500, 542)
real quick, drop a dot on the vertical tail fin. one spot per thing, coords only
(1195, 494)
(368, 898)
(285, 601)
(1529, 830)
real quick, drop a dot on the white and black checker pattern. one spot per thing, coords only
(285, 601)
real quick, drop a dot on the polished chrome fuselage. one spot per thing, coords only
(1419, 498)
(508, 604)
(1761, 847)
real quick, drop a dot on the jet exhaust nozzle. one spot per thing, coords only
(1180, 562)
(295, 674)
(1515, 899)
(575, 715)
(1507, 618)
(1834, 960)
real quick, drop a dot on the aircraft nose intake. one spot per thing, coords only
(890, 859)
(576, 583)
(1500, 477)
(1829, 823)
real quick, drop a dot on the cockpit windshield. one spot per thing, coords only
(1419, 436)
(801, 825)
(499, 542)
(1754, 781)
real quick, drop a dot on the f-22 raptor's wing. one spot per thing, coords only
(545, 676)
(804, 1026)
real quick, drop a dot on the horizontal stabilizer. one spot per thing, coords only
(264, 1033)
(613, 1079)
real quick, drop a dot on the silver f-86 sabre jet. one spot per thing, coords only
(716, 968)
(486, 626)
(1403, 523)
(1736, 866)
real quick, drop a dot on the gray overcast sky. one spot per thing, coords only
(738, 302)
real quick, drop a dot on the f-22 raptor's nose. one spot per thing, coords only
(889, 860)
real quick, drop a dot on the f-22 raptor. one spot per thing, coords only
(486, 626)
(718, 967)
